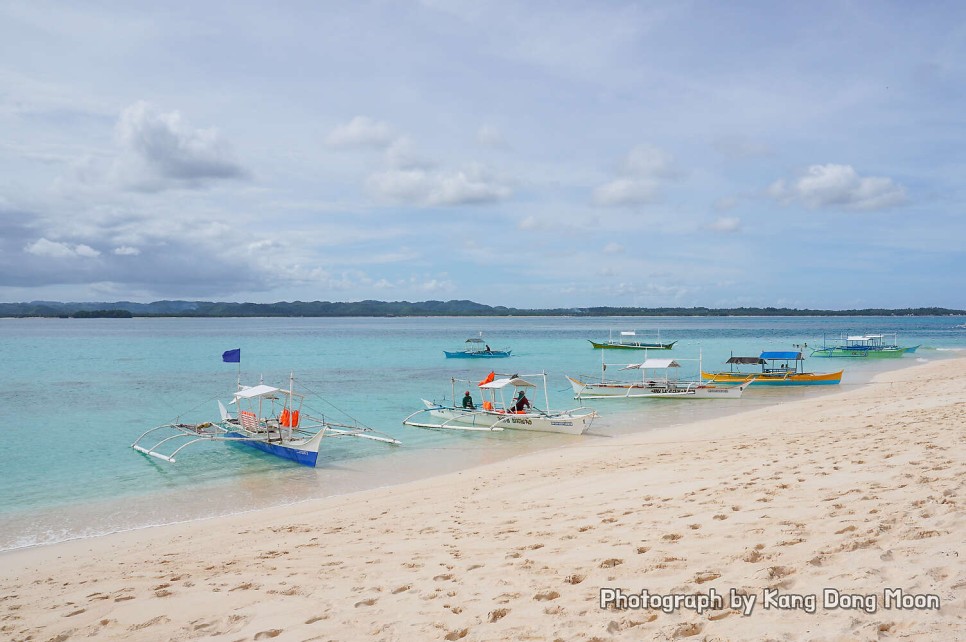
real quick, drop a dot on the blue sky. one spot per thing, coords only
(539, 154)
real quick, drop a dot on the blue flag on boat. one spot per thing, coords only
(231, 356)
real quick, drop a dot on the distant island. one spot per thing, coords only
(127, 309)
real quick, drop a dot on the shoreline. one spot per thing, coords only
(521, 547)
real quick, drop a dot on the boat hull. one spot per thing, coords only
(563, 423)
(612, 345)
(478, 354)
(659, 390)
(305, 452)
(883, 353)
(767, 379)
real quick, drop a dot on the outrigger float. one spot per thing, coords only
(777, 369)
(495, 414)
(268, 419)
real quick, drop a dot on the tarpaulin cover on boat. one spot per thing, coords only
(784, 356)
(746, 360)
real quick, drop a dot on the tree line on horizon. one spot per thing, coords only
(463, 308)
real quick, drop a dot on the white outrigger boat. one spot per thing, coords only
(269, 419)
(650, 387)
(495, 414)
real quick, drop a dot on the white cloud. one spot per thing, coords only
(53, 249)
(613, 248)
(363, 132)
(642, 173)
(421, 187)
(402, 154)
(125, 250)
(159, 151)
(490, 136)
(726, 224)
(627, 191)
(838, 186)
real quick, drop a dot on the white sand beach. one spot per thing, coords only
(859, 492)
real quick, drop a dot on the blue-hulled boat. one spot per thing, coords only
(477, 349)
(268, 419)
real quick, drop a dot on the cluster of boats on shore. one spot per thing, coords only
(274, 420)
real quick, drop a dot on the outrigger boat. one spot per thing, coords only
(478, 349)
(866, 345)
(650, 387)
(269, 419)
(628, 341)
(775, 371)
(494, 414)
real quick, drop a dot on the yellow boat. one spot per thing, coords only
(777, 369)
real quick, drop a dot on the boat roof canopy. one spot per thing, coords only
(508, 381)
(747, 360)
(652, 363)
(474, 340)
(782, 356)
(256, 391)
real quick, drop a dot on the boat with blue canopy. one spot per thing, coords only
(778, 368)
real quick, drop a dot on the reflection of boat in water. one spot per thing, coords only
(777, 369)
(629, 341)
(650, 387)
(863, 346)
(478, 349)
(494, 413)
(269, 419)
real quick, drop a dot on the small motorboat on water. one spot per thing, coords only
(628, 341)
(477, 349)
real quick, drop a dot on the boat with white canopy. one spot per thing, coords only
(477, 348)
(495, 413)
(650, 385)
(628, 340)
(270, 419)
(863, 345)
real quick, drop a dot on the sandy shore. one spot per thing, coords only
(859, 492)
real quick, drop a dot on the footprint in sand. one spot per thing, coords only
(400, 589)
(266, 635)
(611, 563)
(368, 602)
(456, 635)
(687, 630)
(547, 596)
(672, 537)
(497, 614)
(574, 579)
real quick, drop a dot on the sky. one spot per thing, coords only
(527, 154)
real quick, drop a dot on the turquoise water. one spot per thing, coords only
(76, 393)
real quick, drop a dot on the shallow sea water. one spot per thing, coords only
(77, 392)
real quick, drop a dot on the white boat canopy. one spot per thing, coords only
(652, 363)
(629, 334)
(256, 391)
(511, 381)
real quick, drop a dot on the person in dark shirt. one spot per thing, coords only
(468, 401)
(522, 402)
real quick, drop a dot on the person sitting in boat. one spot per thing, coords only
(468, 401)
(487, 350)
(522, 403)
